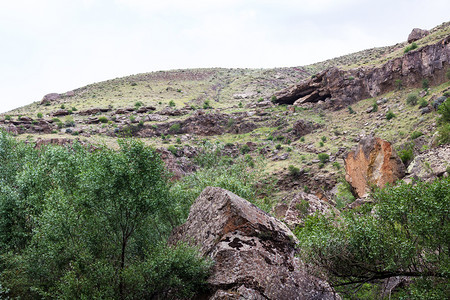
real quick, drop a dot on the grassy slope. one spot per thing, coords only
(193, 87)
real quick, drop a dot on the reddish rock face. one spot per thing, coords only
(374, 161)
(254, 253)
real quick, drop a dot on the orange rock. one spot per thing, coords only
(373, 162)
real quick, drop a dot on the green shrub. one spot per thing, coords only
(278, 146)
(7, 117)
(133, 84)
(425, 83)
(74, 108)
(324, 139)
(293, 171)
(173, 149)
(273, 99)
(132, 118)
(207, 104)
(323, 157)
(171, 103)
(138, 104)
(302, 207)
(270, 138)
(103, 119)
(240, 105)
(178, 140)
(423, 103)
(302, 139)
(351, 111)
(412, 99)
(321, 144)
(406, 154)
(390, 114)
(336, 165)
(245, 149)
(410, 47)
(374, 106)
(175, 128)
(39, 115)
(416, 134)
(62, 106)
(260, 99)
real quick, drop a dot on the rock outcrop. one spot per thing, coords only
(254, 253)
(293, 209)
(373, 161)
(416, 34)
(340, 88)
(430, 165)
(50, 98)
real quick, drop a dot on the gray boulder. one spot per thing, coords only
(253, 253)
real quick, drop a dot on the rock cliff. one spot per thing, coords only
(340, 88)
(254, 253)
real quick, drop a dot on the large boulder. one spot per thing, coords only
(254, 253)
(416, 34)
(372, 162)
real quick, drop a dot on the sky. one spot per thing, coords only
(59, 45)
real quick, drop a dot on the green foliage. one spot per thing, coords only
(278, 146)
(62, 106)
(425, 83)
(273, 99)
(412, 99)
(206, 104)
(302, 139)
(323, 157)
(173, 149)
(344, 194)
(261, 99)
(245, 149)
(398, 84)
(407, 236)
(302, 207)
(240, 105)
(407, 153)
(390, 115)
(171, 103)
(444, 122)
(351, 111)
(374, 106)
(74, 108)
(90, 225)
(423, 103)
(138, 104)
(7, 117)
(416, 134)
(324, 139)
(321, 144)
(294, 171)
(410, 47)
(175, 128)
(39, 115)
(337, 165)
(103, 119)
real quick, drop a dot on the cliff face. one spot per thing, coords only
(340, 88)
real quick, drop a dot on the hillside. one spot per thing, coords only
(305, 134)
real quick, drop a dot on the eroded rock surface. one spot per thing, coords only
(340, 88)
(428, 166)
(373, 161)
(416, 34)
(254, 253)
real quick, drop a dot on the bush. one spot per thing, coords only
(74, 108)
(7, 117)
(171, 103)
(416, 134)
(406, 154)
(206, 105)
(361, 247)
(245, 149)
(278, 146)
(425, 83)
(293, 171)
(390, 114)
(173, 149)
(398, 84)
(39, 115)
(240, 105)
(336, 165)
(302, 139)
(412, 99)
(175, 128)
(138, 104)
(410, 47)
(351, 111)
(103, 119)
(423, 103)
(273, 99)
(323, 157)
(324, 139)
(374, 106)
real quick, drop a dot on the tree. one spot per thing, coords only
(91, 218)
(406, 233)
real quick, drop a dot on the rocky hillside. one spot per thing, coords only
(322, 136)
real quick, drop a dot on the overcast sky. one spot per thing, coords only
(59, 45)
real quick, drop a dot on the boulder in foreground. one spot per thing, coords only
(253, 253)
